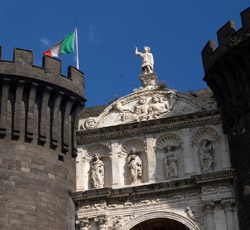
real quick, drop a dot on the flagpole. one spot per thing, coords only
(77, 57)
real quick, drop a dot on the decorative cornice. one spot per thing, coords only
(151, 126)
(195, 182)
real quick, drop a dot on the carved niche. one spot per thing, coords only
(99, 154)
(168, 144)
(134, 149)
(204, 138)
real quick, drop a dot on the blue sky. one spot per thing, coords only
(109, 30)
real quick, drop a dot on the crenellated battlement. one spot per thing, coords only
(228, 37)
(50, 72)
(38, 104)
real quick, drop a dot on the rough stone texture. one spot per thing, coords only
(227, 72)
(39, 110)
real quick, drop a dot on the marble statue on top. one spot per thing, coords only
(97, 172)
(147, 65)
(206, 156)
(135, 167)
(148, 77)
(171, 163)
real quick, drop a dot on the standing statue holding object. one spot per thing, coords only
(147, 65)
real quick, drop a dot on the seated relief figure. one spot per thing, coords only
(171, 163)
(135, 167)
(97, 172)
(206, 156)
(147, 65)
(158, 108)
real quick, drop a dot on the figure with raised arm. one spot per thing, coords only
(147, 65)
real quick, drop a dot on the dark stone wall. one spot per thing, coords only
(227, 73)
(239, 143)
(35, 187)
(39, 112)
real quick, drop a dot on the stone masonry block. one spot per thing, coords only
(23, 57)
(52, 65)
(245, 18)
(225, 33)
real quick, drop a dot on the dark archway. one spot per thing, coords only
(160, 224)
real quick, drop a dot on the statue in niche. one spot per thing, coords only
(135, 167)
(158, 108)
(101, 222)
(90, 123)
(171, 163)
(84, 224)
(97, 172)
(206, 156)
(147, 65)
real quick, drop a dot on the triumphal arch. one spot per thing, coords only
(154, 159)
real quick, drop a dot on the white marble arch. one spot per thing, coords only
(153, 215)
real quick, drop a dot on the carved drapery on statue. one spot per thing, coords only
(205, 137)
(97, 172)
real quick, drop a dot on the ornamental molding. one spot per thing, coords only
(149, 127)
(170, 139)
(219, 180)
(154, 215)
(136, 145)
(100, 150)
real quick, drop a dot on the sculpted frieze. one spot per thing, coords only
(144, 105)
(195, 213)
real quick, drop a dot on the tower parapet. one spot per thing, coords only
(39, 110)
(41, 104)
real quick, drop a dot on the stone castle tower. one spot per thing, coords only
(227, 73)
(39, 110)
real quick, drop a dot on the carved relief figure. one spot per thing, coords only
(147, 65)
(141, 109)
(157, 108)
(101, 222)
(117, 223)
(97, 172)
(195, 214)
(135, 168)
(171, 163)
(90, 123)
(206, 156)
(84, 224)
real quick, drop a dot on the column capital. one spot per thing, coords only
(228, 204)
(208, 207)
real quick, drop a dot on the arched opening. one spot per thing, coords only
(160, 224)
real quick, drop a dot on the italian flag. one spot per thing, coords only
(65, 46)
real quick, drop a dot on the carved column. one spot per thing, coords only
(151, 158)
(228, 206)
(209, 215)
(187, 152)
(116, 149)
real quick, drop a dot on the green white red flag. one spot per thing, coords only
(65, 46)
